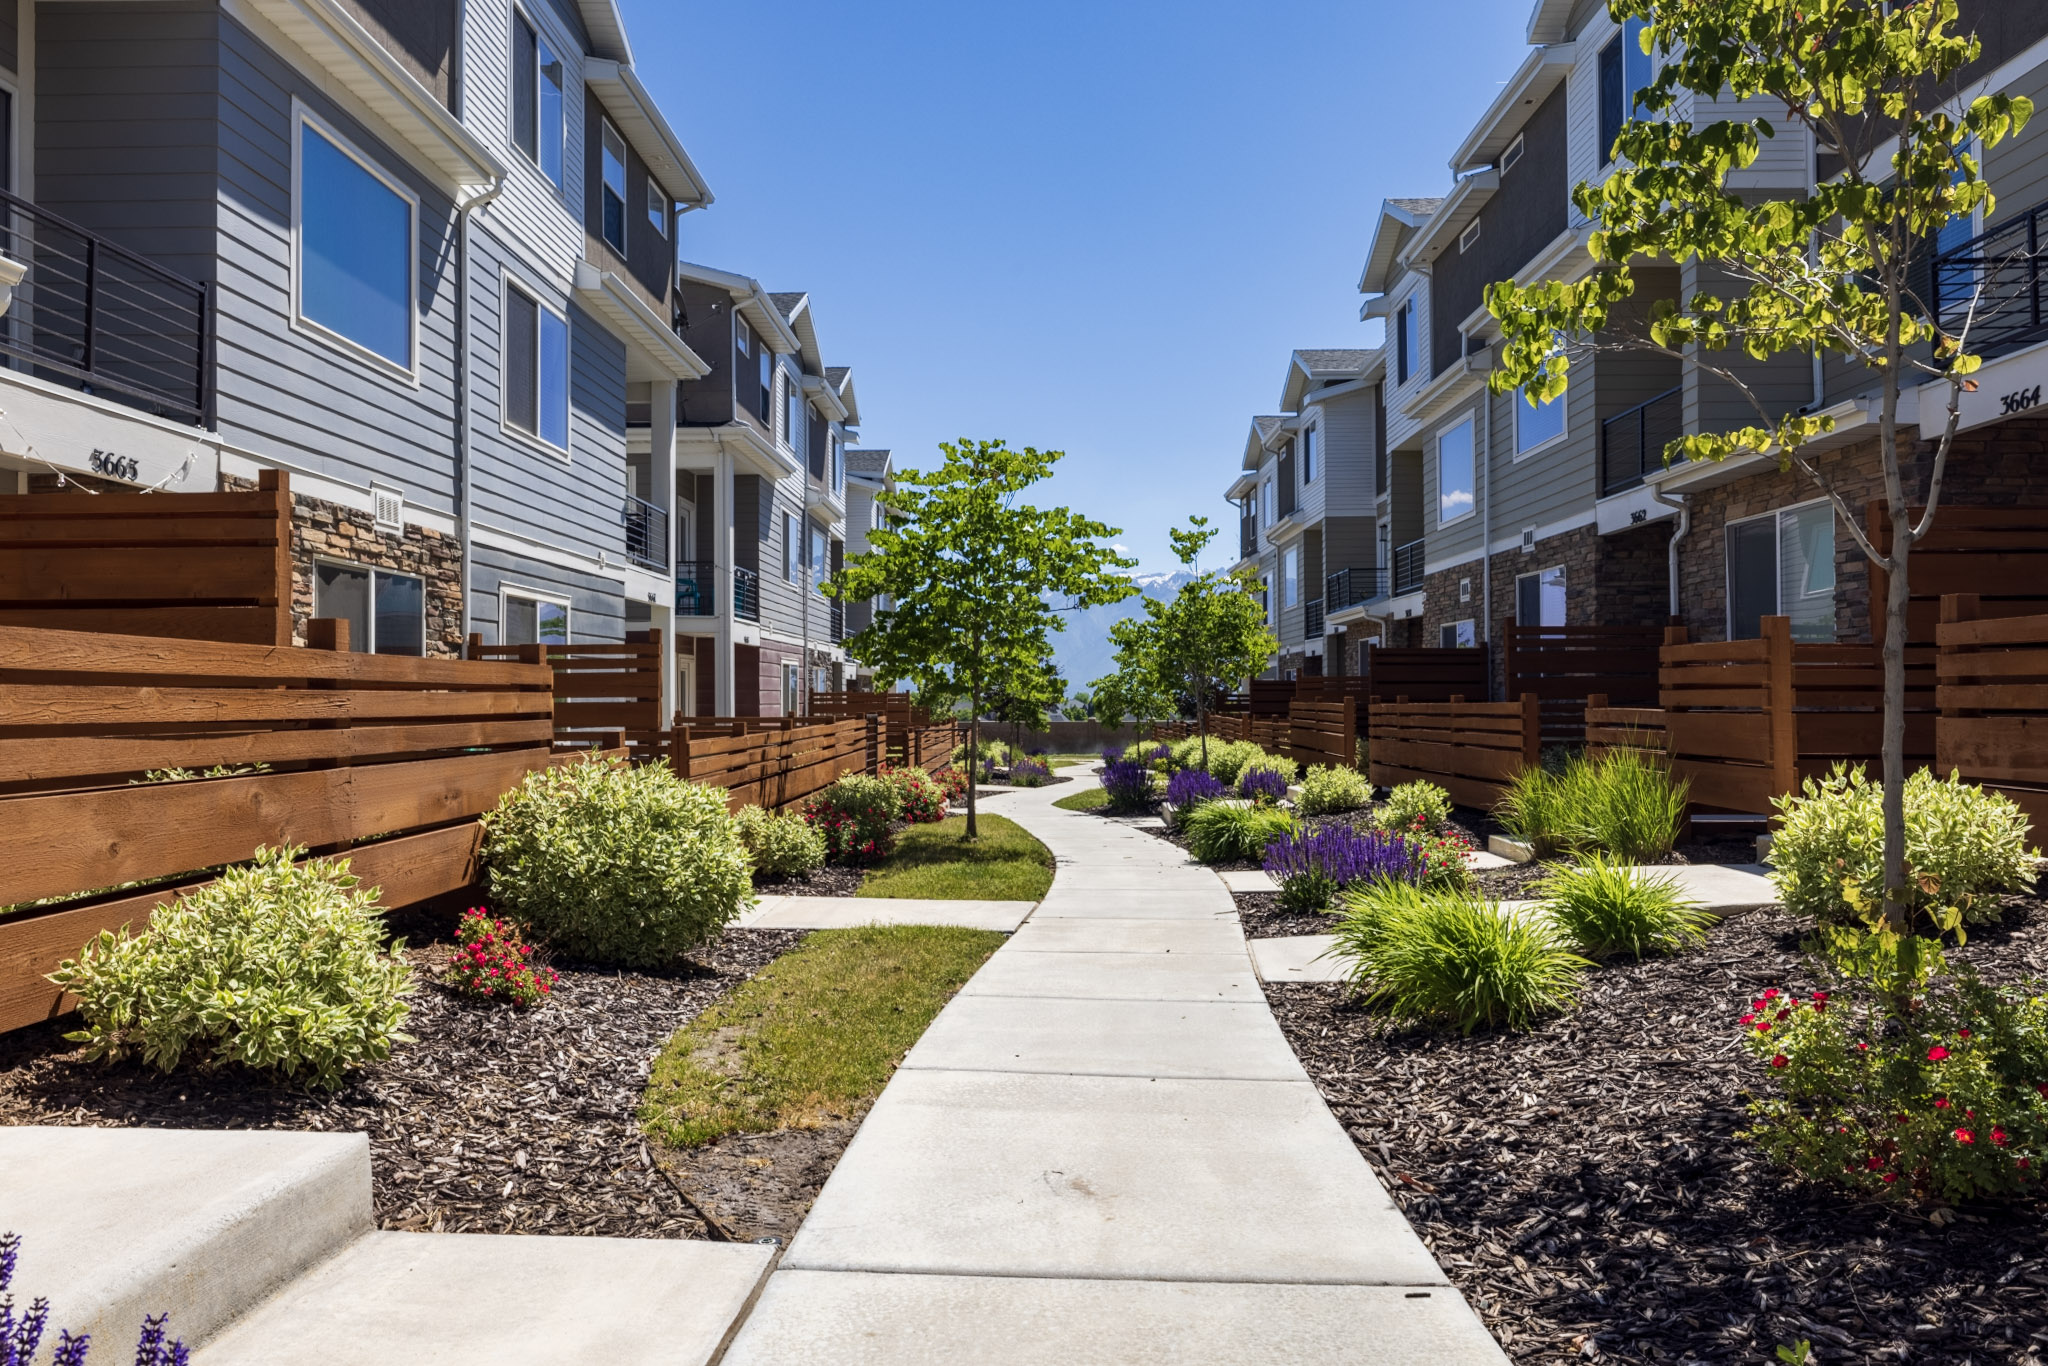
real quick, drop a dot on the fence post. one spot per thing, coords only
(1532, 731)
(278, 486)
(1784, 723)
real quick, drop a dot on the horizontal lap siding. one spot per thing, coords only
(1347, 455)
(1402, 430)
(2018, 167)
(597, 609)
(545, 219)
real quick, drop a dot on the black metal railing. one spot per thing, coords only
(646, 533)
(1247, 537)
(1349, 587)
(1312, 620)
(1992, 283)
(1408, 567)
(746, 594)
(1632, 443)
(696, 589)
(95, 316)
(838, 622)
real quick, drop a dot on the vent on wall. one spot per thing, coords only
(1468, 237)
(1528, 539)
(388, 509)
(1464, 590)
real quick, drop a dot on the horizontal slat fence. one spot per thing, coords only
(1310, 733)
(360, 747)
(1470, 749)
(1428, 675)
(193, 566)
(602, 689)
(771, 764)
(1565, 665)
(1992, 688)
(1998, 554)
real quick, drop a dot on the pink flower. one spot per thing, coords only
(1937, 1054)
(1965, 1136)
(1999, 1137)
(1962, 1033)
(1781, 1061)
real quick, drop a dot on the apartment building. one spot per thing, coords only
(870, 477)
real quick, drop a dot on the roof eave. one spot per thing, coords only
(1542, 72)
(619, 87)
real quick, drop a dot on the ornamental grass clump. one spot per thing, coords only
(1623, 802)
(1415, 808)
(1263, 786)
(1234, 831)
(492, 962)
(1611, 909)
(1312, 868)
(276, 965)
(780, 844)
(857, 816)
(1329, 791)
(1427, 954)
(1964, 846)
(616, 864)
(1128, 784)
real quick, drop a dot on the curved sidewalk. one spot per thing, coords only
(1104, 1151)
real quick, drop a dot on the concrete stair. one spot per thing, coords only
(262, 1248)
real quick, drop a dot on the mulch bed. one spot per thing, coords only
(1263, 917)
(496, 1120)
(833, 879)
(1583, 1185)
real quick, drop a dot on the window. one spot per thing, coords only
(530, 619)
(536, 359)
(1266, 596)
(743, 336)
(1267, 504)
(1404, 342)
(1512, 155)
(794, 414)
(838, 463)
(613, 224)
(1290, 577)
(1539, 424)
(356, 230)
(537, 124)
(1539, 598)
(1454, 473)
(789, 548)
(1457, 635)
(1308, 456)
(1624, 71)
(819, 555)
(657, 207)
(792, 684)
(1469, 238)
(1783, 564)
(767, 383)
(385, 612)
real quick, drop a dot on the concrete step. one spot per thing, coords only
(117, 1224)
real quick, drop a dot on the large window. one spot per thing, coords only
(1457, 635)
(531, 619)
(1783, 564)
(537, 83)
(789, 548)
(820, 555)
(1308, 455)
(1624, 71)
(614, 188)
(1454, 473)
(1266, 506)
(1539, 598)
(536, 359)
(1405, 340)
(1537, 425)
(1290, 577)
(385, 612)
(356, 230)
(795, 413)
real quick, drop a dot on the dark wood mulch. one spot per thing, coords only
(1263, 917)
(1583, 1184)
(496, 1120)
(831, 880)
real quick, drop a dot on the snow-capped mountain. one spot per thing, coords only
(1083, 649)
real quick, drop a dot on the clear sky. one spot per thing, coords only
(1091, 225)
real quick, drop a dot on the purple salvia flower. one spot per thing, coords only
(149, 1348)
(1343, 855)
(1129, 784)
(1192, 786)
(10, 1250)
(1262, 783)
(1110, 756)
(70, 1350)
(178, 1355)
(28, 1333)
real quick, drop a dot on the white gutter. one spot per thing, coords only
(627, 100)
(612, 299)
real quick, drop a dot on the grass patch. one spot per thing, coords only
(1094, 799)
(1070, 760)
(934, 863)
(814, 1036)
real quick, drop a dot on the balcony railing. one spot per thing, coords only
(2000, 273)
(1312, 620)
(746, 594)
(1408, 567)
(838, 622)
(1247, 538)
(1632, 443)
(646, 533)
(95, 316)
(1349, 587)
(696, 589)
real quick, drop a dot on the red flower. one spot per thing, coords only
(1965, 1136)
(1863, 1048)
(1783, 1013)
(1771, 994)
(1820, 1007)
(1937, 1054)
(1820, 996)
(1962, 1033)
(1781, 1061)
(1940, 1103)
(1890, 1177)
(1998, 1136)
(1763, 1026)
(1873, 1162)
(2024, 1164)
(1746, 1019)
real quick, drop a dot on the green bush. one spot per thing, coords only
(781, 844)
(274, 965)
(1428, 954)
(1963, 846)
(1415, 808)
(1624, 803)
(1227, 761)
(1327, 791)
(1609, 908)
(857, 816)
(1230, 831)
(1271, 763)
(616, 864)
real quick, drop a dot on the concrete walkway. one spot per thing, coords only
(1104, 1151)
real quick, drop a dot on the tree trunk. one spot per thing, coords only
(973, 763)
(1897, 901)
(1202, 725)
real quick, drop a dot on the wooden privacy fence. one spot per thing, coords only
(1992, 688)
(194, 566)
(1470, 749)
(1310, 733)
(1565, 665)
(407, 752)
(1428, 675)
(911, 738)
(1998, 554)
(602, 690)
(776, 763)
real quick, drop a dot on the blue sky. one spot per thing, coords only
(1097, 227)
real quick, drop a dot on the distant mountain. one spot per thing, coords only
(1083, 649)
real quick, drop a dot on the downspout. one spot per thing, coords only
(1485, 464)
(462, 451)
(1671, 548)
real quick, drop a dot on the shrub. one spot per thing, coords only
(1234, 832)
(1327, 791)
(1312, 868)
(856, 815)
(1272, 763)
(1963, 844)
(1227, 761)
(1947, 1100)
(1609, 908)
(919, 800)
(493, 963)
(1534, 810)
(1030, 773)
(1624, 802)
(952, 784)
(1442, 857)
(1436, 955)
(1188, 788)
(1261, 785)
(1129, 785)
(1416, 808)
(616, 864)
(780, 844)
(275, 965)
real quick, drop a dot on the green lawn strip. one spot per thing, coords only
(1094, 799)
(935, 863)
(813, 1036)
(1069, 760)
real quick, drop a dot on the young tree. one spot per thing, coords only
(977, 580)
(1022, 698)
(1833, 268)
(1207, 637)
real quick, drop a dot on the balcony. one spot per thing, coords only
(1408, 567)
(746, 594)
(1312, 620)
(696, 589)
(1349, 587)
(2000, 272)
(1632, 443)
(1247, 538)
(838, 622)
(646, 533)
(95, 316)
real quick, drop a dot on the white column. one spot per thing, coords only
(661, 466)
(722, 553)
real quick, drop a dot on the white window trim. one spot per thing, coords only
(373, 570)
(659, 198)
(743, 330)
(1537, 574)
(509, 591)
(1469, 238)
(1471, 418)
(547, 34)
(1777, 559)
(1415, 356)
(303, 118)
(1452, 626)
(508, 278)
(625, 185)
(1521, 405)
(1312, 440)
(13, 149)
(1513, 154)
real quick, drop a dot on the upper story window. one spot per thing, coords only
(657, 207)
(1405, 347)
(536, 361)
(356, 263)
(1290, 577)
(537, 84)
(614, 189)
(1512, 155)
(838, 463)
(1624, 70)
(743, 336)
(793, 414)
(789, 548)
(767, 384)
(1266, 501)
(1539, 425)
(1454, 473)
(1308, 455)
(820, 555)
